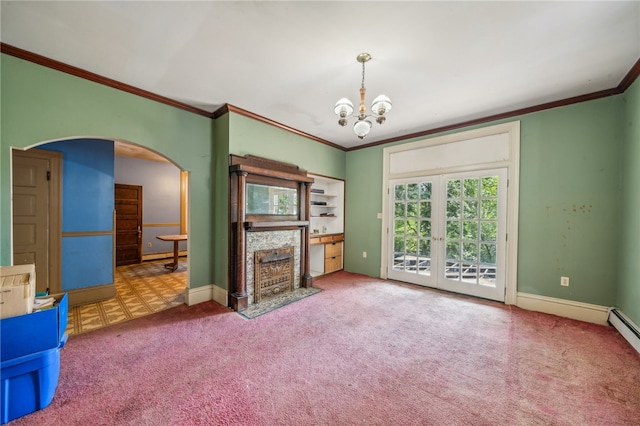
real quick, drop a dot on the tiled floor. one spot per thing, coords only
(140, 290)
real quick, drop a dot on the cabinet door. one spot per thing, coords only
(332, 250)
(333, 257)
(332, 264)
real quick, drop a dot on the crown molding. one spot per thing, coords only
(495, 117)
(226, 108)
(631, 76)
(625, 83)
(96, 78)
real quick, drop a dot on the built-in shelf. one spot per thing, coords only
(332, 193)
(326, 232)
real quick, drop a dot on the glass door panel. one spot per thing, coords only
(412, 231)
(474, 230)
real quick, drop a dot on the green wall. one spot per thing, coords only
(221, 203)
(569, 202)
(363, 202)
(248, 136)
(39, 104)
(629, 280)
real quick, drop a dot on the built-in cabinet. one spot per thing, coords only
(326, 253)
(326, 235)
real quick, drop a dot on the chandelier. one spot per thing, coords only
(379, 106)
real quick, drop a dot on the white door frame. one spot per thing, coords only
(479, 149)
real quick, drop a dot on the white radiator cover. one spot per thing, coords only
(626, 327)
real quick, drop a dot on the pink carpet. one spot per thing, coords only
(363, 351)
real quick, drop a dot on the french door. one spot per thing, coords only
(449, 232)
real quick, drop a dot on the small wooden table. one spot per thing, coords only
(176, 240)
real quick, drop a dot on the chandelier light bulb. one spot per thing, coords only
(381, 104)
(362, 128)
(343, 108)
(379, 107)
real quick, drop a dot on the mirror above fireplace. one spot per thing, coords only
(271, 200)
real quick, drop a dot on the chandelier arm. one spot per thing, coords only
(363, 116)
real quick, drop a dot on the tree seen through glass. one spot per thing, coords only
(471, 234)
(412, 227)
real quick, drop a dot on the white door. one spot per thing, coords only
(36, 214)
(449, 232)
(412, 257)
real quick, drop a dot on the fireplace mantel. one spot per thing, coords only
(275, 226)
(274, 175)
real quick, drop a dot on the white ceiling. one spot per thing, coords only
(441, 63)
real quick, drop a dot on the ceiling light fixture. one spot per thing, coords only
(379, 106)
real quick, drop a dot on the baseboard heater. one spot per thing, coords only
(625, 326)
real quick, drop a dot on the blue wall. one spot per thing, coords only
(87, 210)
(160, 199)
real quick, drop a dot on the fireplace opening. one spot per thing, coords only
(274, 271)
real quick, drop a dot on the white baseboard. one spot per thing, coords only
(193, 296)
(626, 327)
(564, 308)
(220, 295)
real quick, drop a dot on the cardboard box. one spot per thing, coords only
(17, 290)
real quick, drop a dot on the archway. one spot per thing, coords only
(86, 237)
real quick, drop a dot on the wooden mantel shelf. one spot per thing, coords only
(270, 173)
(268, 226)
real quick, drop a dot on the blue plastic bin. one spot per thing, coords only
(28, 383)
(36, 332)
(30, 347)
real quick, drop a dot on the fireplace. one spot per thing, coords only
(273, 273)
(268, 229)
(259, 244)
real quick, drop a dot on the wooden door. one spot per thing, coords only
(36, 215)
(128, 205)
